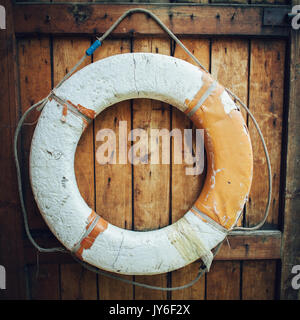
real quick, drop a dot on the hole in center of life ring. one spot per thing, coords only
(141, 164)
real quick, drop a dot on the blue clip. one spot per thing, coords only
(93, 47)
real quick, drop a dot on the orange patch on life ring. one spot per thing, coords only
(228, 171)
(91, 114)
(88, 241)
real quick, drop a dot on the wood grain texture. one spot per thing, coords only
(188, 20)
(291, 239)
(151, 182)
(223, 281)
(258, 281)
(253, 246)
(183, 276)
(266, 103)
(113, 181)
(35, 83)
(160, 280)
(230, 66)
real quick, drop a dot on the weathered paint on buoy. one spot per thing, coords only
(129, 76)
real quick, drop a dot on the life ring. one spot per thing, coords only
(141, 75)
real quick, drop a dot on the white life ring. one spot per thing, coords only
(83, 97)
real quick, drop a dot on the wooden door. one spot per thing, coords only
(251, 59)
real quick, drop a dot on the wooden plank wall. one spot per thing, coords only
(291, 239)
(150, 196)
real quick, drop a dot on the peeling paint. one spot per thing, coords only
(64, 113)
(227, 102)
(91, 114)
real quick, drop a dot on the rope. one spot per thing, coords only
(39, 105)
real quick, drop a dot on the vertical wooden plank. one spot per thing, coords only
(229, 65)
(113, 181)
(35, 83)
(151, 181)
(77, 283)
(266, 103)
(43, 282)
(148, 294)
(291, 230)
(183, 276)
(223, 281)
(111, 289)
(259, 280)
(11, 246)
(186, 188)
(266, 89)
